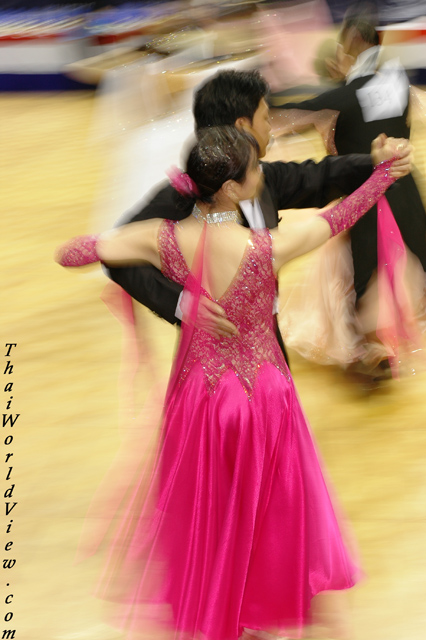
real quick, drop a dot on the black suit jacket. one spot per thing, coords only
(354, 135)
(287, 185)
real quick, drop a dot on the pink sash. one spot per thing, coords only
(193, 289)
(112, 498)
(396, 323)
(128, 468)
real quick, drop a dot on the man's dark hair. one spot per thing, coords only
(366, 30)
(227, 96)
(363, 16)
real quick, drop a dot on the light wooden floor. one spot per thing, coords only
(65, 389)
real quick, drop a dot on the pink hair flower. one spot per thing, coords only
(182, 182)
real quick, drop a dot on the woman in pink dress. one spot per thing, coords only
(235, 532)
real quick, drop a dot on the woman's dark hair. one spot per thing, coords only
(227, 96)
(220, 154)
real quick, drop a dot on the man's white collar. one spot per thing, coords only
(365, 64)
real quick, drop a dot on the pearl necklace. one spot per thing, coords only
(217, 217)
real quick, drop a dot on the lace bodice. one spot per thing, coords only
(248, 303)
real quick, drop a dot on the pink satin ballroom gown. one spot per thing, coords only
(237, 529)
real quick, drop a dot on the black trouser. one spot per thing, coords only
(407, 208)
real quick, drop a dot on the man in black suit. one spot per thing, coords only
(368, 103)
(238, 97)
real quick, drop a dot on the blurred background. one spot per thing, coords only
(95, 102)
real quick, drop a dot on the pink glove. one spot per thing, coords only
(346, 213)
(78, 251)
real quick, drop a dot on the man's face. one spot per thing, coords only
(340, 65)
(349, 41)
(260, 127)
(343, 43)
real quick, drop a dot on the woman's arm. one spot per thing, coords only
(132, 244)
(144, 282)
(294, 240)
(300, 238)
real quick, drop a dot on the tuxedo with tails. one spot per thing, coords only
(353, 134)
